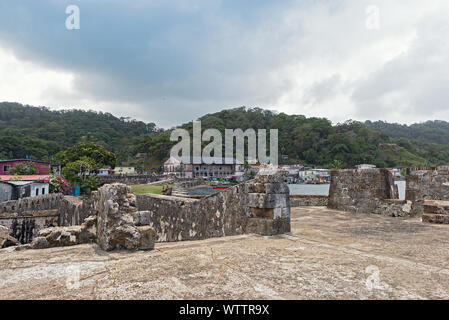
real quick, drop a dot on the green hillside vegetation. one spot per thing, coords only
(41, 133)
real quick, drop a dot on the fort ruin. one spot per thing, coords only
(115, 218)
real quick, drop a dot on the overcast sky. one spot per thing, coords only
(171, 61)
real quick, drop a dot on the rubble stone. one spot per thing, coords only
(116, 206)
(147, 237)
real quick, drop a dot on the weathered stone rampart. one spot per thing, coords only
(426, 183)
(25, 217)
(366, 191)
(258, 206)
(176, 218)
(26, 205)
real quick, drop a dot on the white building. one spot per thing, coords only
(193, 167)
(366, 166)
(13, 190)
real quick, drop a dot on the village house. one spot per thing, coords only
(6, 166)
(125, 170)
(185, 167)
(17, 187)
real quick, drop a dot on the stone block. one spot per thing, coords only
(40, 243)
(147, 237)
(277, 188)
(283, 213)
(271, 176)
(266, 213)
(142, 218)
(268, 227)
(435, 218)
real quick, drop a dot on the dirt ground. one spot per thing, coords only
(328, 255)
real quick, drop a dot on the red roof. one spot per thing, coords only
(24, 178)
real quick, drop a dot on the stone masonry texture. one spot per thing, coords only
(366, 191)
(426, 183)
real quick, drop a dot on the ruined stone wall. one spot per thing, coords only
(426, 183)
(73, 211)
(176, 218)
(120, 220)
(366, 191)
(25, 217)
(26, 205)
(305, 200)
(259, 206)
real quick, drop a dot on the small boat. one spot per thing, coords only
(220, 188)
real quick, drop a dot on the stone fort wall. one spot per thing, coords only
(366, 191)
(426, 183)
(305, 200)
(259, 206)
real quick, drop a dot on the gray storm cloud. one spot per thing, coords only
(172, 61)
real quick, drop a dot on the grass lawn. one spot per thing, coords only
(147, 188)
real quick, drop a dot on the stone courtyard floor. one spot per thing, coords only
(328, 255)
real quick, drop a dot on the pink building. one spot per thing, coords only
(7, 165)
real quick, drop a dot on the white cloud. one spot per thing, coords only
(28, 82)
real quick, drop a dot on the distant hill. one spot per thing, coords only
(311, 141)
(41, 133)
(429, 140)
(431, 131)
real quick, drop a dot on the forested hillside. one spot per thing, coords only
(429, 139)
(311, 141)
(41, 133)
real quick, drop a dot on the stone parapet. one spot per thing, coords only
(302, 200)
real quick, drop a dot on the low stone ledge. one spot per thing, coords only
(304, 200)
(29, 214)
(435, 218)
